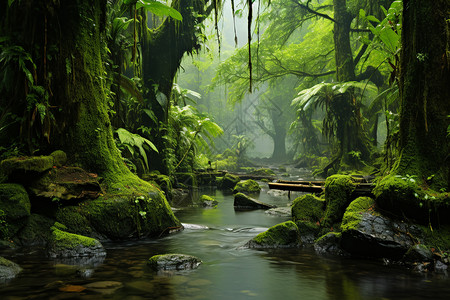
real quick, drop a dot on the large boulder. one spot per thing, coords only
(338, 192)
(242, 201)
(248, 186)
(15, 208)
(166, 262)
(65, 244)
(36, 232)
(365, 232)
(65, 184)
(284, 235)
(25, 166)
(401, 196)
(308, 208)
(227, 182)
(8, 269)
(119, 217)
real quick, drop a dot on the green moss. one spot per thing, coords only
(64, 240)
(36, 231)
(263, 172)
(437, 238)
(354, 211)
(247, 186)
(338, 191)
(228, 181)
(59, 158)
(75, 221)
(206, 198)
(401, 196)
(308, 208)
(186, 179)
(16, 207)
(27, 164)
(284, 234)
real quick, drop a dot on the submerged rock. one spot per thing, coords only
(8, 269)
(248, 186)
(242, 201)
(173, 262)
(207, 201)
(64, 244)
(279, 211)
(284, 235)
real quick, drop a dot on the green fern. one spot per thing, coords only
(134, 141)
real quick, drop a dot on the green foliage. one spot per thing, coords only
(132, 141)
(387, 32)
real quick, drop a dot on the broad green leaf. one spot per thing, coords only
(159, 9)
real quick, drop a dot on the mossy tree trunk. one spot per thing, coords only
(162, 51)
(66, 41)
(425, 91)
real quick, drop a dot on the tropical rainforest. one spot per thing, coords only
(109, 107)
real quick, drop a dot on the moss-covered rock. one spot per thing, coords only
(163, 182)
(338, 191)
(308, 231)
(354, 212)
(59, 158)
(74, 218)
(27, 164)
(365, 232)
(242, 201)
(248, 186)
(119, 217)
(165, 262)
(186, 180)
(207, 201)
(401, 196)
(308, 208)
(36, 232)
(418, 253)
(64, 244)
(228, 181)
(330, 243)
(284, 235)
(66, 184)
(15, 208)
(263, 172)
(8, 269)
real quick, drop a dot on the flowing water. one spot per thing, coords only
(229, 271)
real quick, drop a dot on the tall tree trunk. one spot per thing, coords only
(345, 69)
(425, 91)
(162, 51)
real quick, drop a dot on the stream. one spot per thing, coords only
(229, 271)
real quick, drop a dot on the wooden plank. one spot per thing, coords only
(362, 189)
(295, 187)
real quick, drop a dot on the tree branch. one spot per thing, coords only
(303, 6)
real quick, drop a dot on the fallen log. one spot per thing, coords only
(362, 189)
